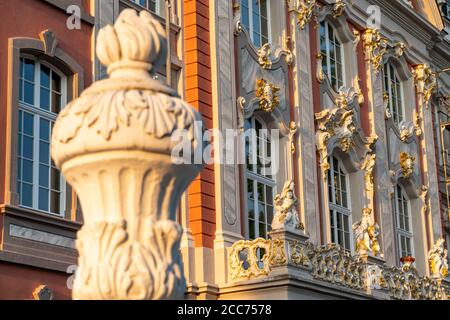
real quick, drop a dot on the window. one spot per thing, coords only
(340, 214)
(255, 18)
(258, 177)
(332, 55)
(403, 221)
(152, 5)
(41, 97)
(393, 92)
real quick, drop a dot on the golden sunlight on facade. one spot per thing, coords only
(337, 185)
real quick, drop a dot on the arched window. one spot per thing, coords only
(255, 18)
(339, 203)
(42, 94)
(403, 223)
(393, 90)
(332, 55)
(258, 178)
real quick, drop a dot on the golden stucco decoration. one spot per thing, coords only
(267, 93)
(426, 81)
(264, 56)
(407, 164)
(375, 47)
(305, 12)
(437, 260)
(249, 259)
(367, 232)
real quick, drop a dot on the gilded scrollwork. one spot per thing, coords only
(305, 12)
(293, 128)
(267, 93)
(249, 259)
(405, 133)
(407, 164)
(426, 81)
(375, 47)
(320, 75)
(399, 49)
(264, 56)
(300, 253)
(338, 8)
(367, 166)
(277, 253)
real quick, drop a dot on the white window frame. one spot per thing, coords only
(336, 210)
(397, 117)
(250, 17)
(146, 6)
(39, 113)
(258, 178)
(399, 231)
(336, 40)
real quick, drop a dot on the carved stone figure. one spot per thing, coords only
(286, 215)
(114, 147)
(437, 259)
(267, 94)
(264, 56)
(407, 164)
(366, 234)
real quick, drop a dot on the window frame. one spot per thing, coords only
(38, 114)
(406, 233)
(146, 6)
(250, 27)
(326, 55)
(388, 78)
(336, 210)
(257, 178)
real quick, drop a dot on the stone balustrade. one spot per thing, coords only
(257, 260)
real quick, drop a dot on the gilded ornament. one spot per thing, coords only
(286, 215)
(267, 94)
(264, 56)
(438, 260)
(407, 164)
(375, 47)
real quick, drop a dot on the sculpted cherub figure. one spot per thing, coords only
(437, 259)
(366, 234)
(286, 215)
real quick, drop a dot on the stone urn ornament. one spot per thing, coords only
(114, 146)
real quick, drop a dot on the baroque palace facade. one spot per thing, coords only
(348, 200)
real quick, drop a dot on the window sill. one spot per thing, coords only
(33, 238)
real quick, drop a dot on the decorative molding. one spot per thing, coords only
(115, 140)
(305, 11)
(399, 49)
(375, 47)
(267, 94)
(320, 75)
(405, 133)
(43, 292)
(367, 166)
(426, 82)
(407, 164)
(338, 8)
(264, 56)
(50, 42)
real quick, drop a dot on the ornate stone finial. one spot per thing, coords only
(407, 164)
(43, 292)
(50, 42)
(375, 47)
(426, 81)
(437, 260)
(286, 215)
(114, 146)
(366, 234)
(267, 93)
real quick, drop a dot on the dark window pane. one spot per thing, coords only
(262, 230)
(269, 195)
(45, 99)
(45, 76)
(56, 102)
(29, 93)
(56, 179)
(29, 69)
(250, 192)
(43, 199)
(269, 214)
(44, 130)
(55, 198)
(250, 208)
(26, 196)
(27, 147)
(56, 82)
(43, 175)
(260, 192)
(251, 229)
(21, 90)
(261, 212)
(28, 123)
(44, 152)
(27, 170)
